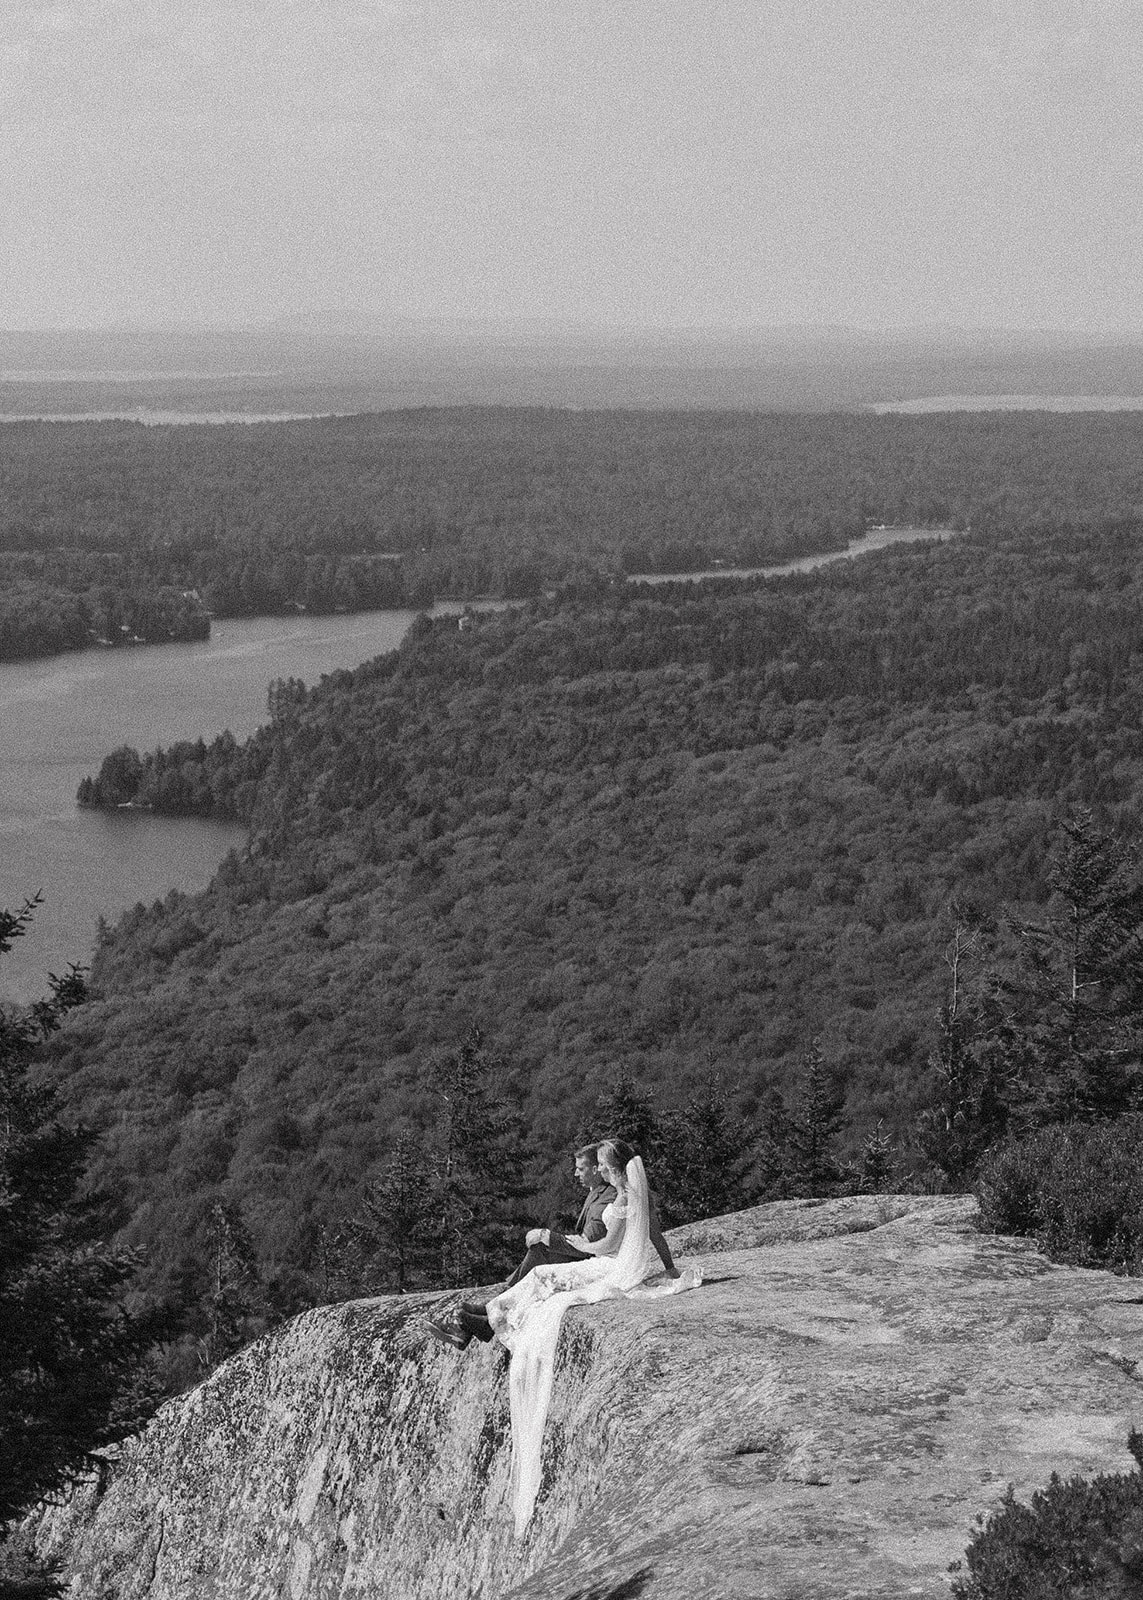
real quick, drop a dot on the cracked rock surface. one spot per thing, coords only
(855, 1381)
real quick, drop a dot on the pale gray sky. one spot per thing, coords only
(633, 162)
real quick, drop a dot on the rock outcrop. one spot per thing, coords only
(856, 1380)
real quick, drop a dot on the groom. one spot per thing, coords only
(544, 1246)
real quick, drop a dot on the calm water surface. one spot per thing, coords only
(1009, 402)
(59, 717)
(151, 418)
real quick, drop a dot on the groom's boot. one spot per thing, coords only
(474, 1322)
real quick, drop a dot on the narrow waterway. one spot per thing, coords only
(875, 539)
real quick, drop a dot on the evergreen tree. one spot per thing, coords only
(627, 1112)
(817, 1118)
(235, 1304)
(479, 1176)
(1072, 1028)
(710, 1159)
(390, 1241)
(975, 1084)
(773, 1123)
(971, 1064)
(69, 1352)
(876, 1170)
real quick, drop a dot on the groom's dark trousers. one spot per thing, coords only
(589, 1223)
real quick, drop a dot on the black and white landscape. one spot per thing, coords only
(569, 576)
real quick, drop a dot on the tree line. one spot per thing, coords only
(396, 508)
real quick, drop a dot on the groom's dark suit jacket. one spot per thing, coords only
(589, 1223)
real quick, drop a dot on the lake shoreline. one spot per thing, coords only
(878, 538)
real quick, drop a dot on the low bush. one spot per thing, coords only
(1077, 1190)
(1079, 1540)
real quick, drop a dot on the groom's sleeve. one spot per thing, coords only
(594, 1228)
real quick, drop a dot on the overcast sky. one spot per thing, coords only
(631, 162)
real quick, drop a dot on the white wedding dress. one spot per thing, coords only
(527, 1319)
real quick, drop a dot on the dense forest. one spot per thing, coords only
(69, 601)
(113, 530)
(646, 839)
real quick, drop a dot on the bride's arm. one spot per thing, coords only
(607, 1246)
(655, 1234)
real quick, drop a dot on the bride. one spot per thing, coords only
(627, 1220)
(527, 1316)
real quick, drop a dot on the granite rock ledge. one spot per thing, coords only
(825, 1417)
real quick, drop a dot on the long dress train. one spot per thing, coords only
(527, 1319)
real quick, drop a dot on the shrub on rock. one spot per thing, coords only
(1079, 1540)
(1077, 1190)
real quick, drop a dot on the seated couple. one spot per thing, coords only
(602, 1170)
(618, 1252)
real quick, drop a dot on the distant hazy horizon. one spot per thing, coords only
(359, 322)
(688, 168)
(348, 321)
(323, 365)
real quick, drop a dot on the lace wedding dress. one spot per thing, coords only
(527, 1319)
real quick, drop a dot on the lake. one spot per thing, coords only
(60, 715)
(1008, 402)
(151, 418)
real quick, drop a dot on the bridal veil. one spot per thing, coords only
(527, 1319)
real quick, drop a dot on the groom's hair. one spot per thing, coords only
(589, 1152)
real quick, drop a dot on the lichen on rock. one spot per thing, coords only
(854, 1382)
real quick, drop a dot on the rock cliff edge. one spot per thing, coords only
(825, 1417)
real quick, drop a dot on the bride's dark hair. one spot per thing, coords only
(617, 1153)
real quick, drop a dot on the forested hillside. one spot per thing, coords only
(104, 524)
(635, 835)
